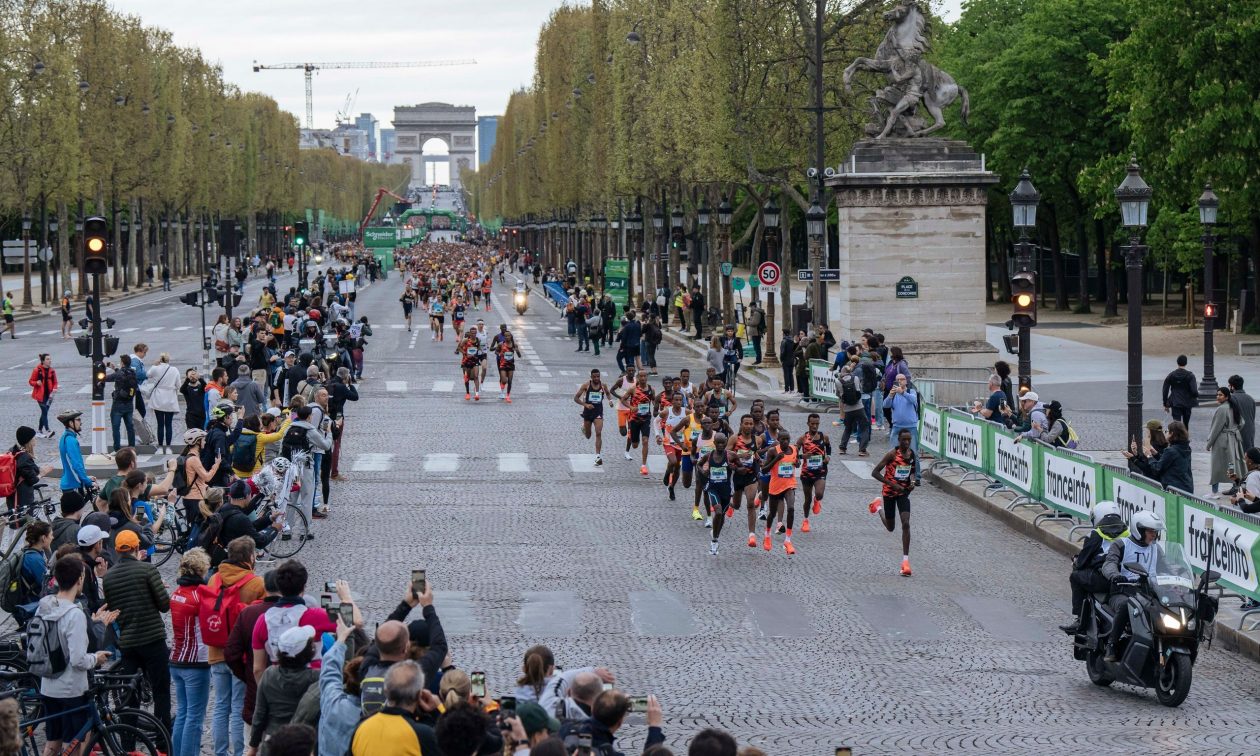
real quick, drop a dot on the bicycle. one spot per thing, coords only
(15, 521)
(176, 535)
(114, 738)
(122, 695)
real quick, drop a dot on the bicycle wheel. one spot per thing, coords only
(118, 739)
(148, 724)
(285, 547)
(164, 543)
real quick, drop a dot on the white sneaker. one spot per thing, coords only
(708, 522)
(599, 460)
(713, 548)
(628, 456)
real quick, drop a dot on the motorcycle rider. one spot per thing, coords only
(1086, 576)
(1142, 547)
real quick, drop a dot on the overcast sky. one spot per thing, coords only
(499, 34)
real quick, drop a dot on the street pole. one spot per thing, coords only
(1133, 255)
(1023, 261)
(27, 304)
(819, 310)
(1208, 205)
(98, 369)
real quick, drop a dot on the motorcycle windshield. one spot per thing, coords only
(1173, 579)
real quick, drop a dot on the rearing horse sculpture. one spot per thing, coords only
(911, 79)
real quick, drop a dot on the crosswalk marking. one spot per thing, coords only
(860, 469)
(661, 614)
(441, 387)
(181, 328)
(5, 388)
(568, 372)
(441, 462)
(373, 462)
(154, 328)
(395, 385)
(48, 333)
(126, 330)
(549, 614)
(554, 328)
(459, 613)
(778, 615)
(514, 462)
(397, 326)
(539, 388)
(583, 463)
(85, 389)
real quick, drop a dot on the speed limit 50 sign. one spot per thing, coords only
(768, 273)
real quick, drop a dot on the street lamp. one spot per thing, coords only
(1209, 203)
(26, 262)
(724, 213)
(770, 216)
(634, 224)
(815, 229)
(675, 247)
(1024, 201)
(658, 227)
(1134, 196)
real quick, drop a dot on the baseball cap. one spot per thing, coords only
(274, 411)
(290, 353)
(294, 640)
(1030, 396)
(125, 541)
(536, 719)
(90, 535)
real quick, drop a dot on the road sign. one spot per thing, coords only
(727, 268)
(737, 283)
(907, 288)
(753, 282)
(768, 273)
(828, 274)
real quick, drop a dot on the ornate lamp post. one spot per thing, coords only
(27, 304)
(658, 226)
(1209, 203)
(675, 247)
(701, 255)
(724, 213)
(1024, 200)
(770, 216)
(634, 224)
(815, 228)
(1134, 196)
(599, 249)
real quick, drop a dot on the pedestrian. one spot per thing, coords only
(43, 382)
(732, 355)
(193, 389)
(697, 312)
(1247, 407)
(652, 335)
(123, 400)
(581, 313)
(755, 328)
(282, 686)
(249, 395)
(681, 301)
(162, 390)
(1180, 392)
(67, 315)
(595, 328)
(190, 666)
(138, 355)
(857, 419)
(6, 308)
(905, 416)
(1224, 440)
(27, 471)
(166, 277)
(787, 358)
(135, 589)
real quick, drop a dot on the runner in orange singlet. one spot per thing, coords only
(896, 472)
(781, 462)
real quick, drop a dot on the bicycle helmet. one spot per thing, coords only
(193, 435)
(1102, 509)
(280, 465)
(1143, 521)
(221, 410)
(69, 416)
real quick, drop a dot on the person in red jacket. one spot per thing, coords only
(43, 385)
(190, 666)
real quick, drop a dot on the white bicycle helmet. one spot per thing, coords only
(193, 435)
(1145, 520)
(280, 465)
(1102, 509)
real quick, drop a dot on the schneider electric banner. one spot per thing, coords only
(380, 236)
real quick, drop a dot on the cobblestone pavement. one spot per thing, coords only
(527, 543)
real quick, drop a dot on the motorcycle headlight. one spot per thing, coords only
(1171, 621)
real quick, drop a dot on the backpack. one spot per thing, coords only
(180, 480)
(276, 320)
(244, 452)
(372, 690)
(218, 611)
(279, 619)
(869, 376)
(207, 535)
(8, 474)
(308, 390)
(17, 589)
(44, 654)
(849, 393)
(295, 439)
(1068, 437)
(125, 387)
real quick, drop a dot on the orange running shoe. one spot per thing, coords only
(730, 513)
(643, 471)
(467, 397)
(766, 544)
(817, 506)
(752, 540)
(477, 396)
(789, 548)
(507, 399)
(905, 567)
(805, 526)
(875, 504)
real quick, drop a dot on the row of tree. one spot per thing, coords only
(100, 114)
(658, 103)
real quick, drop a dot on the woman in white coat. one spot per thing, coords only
(161, 392)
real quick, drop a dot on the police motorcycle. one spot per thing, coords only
(520, 298)
(1169, 612)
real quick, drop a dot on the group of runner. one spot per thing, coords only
(756, 464)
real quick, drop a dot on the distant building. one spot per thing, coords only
(387, 146)
(367, 122)
(351, 141)
(487, 130)
(316, 139)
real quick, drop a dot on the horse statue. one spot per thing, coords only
(911, 79)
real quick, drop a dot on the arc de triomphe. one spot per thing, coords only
(454, 124)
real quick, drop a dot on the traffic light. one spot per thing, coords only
(300, 233)
(190, 299)
(1209, 311)
(98, 379)
(1024, 299)
(95, 244)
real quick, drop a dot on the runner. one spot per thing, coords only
(437, 316)
(508, 351)
(623, 384)
(690, 391)
(484, 346)
(673, 423)
(896, 472)
(457, 316)
(592, 395)
(408, 300)
(744, 456)
(485, 290)
(715, 467)
(468, 350)
(638, 401)
(700, 443)
(781, 462)
(766, 444)
(816, 449)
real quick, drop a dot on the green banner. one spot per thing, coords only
(822, 382)
(1232, 543)
(1070, 482)
(617, 283)
(1133, 492)
(1015, 463)
(930, 430)
(380, 237)
(965, 441)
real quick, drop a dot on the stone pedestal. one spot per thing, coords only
(912, 248)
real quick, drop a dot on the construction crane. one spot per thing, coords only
(311, 68)
(380, 194)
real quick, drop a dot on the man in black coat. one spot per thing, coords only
(1181, 392)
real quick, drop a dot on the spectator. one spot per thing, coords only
(135, 589)
(395, 730)
(456, 689)
(995, 408)
(1247, 407)
(711, 742)
(238, 654)
(1030, 411)
(235, 585)
(66, 525)
(1156, 441)
(190, 666)
(193, 389)
(652, 335)
(28, 472)
(11, 732)
(697, 312)
(1172, 467)
(1248, 497)
(1056, 433)
(426, 637)
(339, 690)
(33, 573)
(123, 400)
(292, 740)
(905, 415)
(755, 328)
(282, 686)
(460, 731)
(289, 610)
(163, 389)
(1180, 392)
(629, 336)
(249, 395)
(787, 358)
(74, 474)
(1224, 440)
(608, 715)
(1003, 370)
(585, 689)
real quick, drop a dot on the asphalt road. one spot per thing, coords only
(527, 542)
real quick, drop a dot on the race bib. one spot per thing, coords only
(901, 472)
(644, 409)
(594, 397)
(694, 435)
(814, 462)
(745, 456)
(786, 470)
(508, 357)
(717, 474)
(472, 351)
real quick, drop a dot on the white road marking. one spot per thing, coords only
(554, 328)
(395, 385)
(583, 463)
(127, 330)
(568, 372)
(656, 462)
(5, 388)
(539, 388)
(443, 386)
(48, 333)
(373, 463)
(860, 469)
(397, 326)
(181, 328)
(441, 462)
(514, 462)
(154, 328)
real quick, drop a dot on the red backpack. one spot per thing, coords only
(8, 474)
(220, 606)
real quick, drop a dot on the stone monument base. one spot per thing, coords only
(912, 248)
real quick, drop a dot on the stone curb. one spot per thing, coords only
(1054, 535)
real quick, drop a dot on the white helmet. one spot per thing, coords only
(193, 435)
(1102, 509)
(280, 465)
(1145, 520)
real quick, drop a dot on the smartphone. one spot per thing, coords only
(347, 614)
(333, 610)
(608, 686)
(331, 586)
(507, 704)
(325, 600)
(639, 704)
(584, 742)
(417, 581)
(478, 680)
